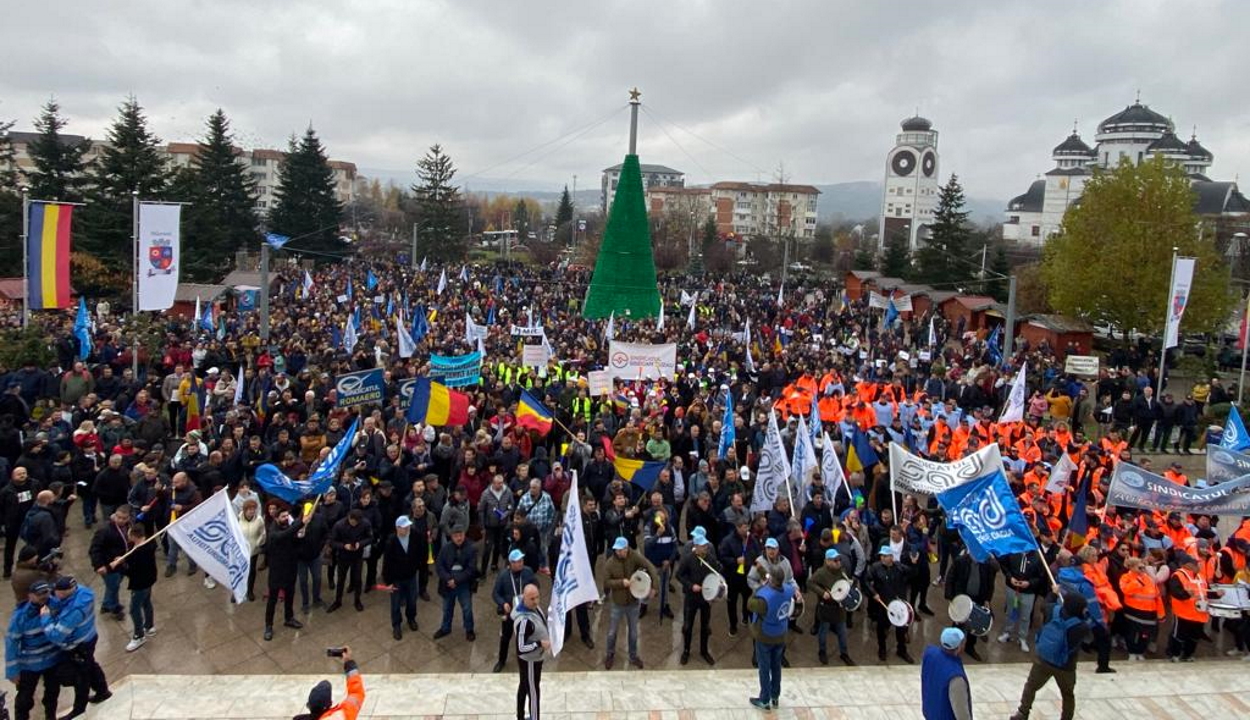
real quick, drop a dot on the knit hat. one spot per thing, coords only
(320, 698)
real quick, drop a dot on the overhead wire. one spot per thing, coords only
(660, 124)
(575, 132)
(699, 137)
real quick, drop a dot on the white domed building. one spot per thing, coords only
(1135, 133)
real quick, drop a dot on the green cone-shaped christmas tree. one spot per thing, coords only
(624, 280)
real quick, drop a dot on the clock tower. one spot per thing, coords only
(911, 184)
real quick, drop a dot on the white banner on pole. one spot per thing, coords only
(210, 535)
(634, 361)
(1178, 298)
(573, 582)
(773, 471)
(912, 473)
(600, 382)
(534, 356)
(160, 258)
(474, 332)
(1014, 412)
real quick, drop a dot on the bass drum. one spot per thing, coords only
(900, 613)
(959, 609)
(980, 620)
(853, 600)
(640, 584)
(713, 588)
(840, 590)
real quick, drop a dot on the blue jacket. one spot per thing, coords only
(937, 669)
(26, 645)
(72, 621)
(776, 618)
(1072, 578)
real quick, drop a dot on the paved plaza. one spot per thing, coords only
(1140, 691)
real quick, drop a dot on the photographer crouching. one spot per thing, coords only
(320, 698)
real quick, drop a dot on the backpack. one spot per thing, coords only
(1052, 639)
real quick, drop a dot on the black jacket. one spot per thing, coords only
(111, 486)
(399, 565)
(344, 533)
(281, 546)
(1027, 567)
(313, 542)
(107, 543)
(140, 567)
(15, 501)
(890, 583)
(961, 572)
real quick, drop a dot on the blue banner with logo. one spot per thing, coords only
(458, 371)
(405, 393)
(988, 517)
(1224, 464)
(247, 300)
(1135, 487)
(275, 482)
(359, 388)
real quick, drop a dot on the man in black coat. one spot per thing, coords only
(16, 499)
(107, 544)
(311, 543)
(1145, 413)
(349, 537)
(281, 547)
(976, 580)
(400, 561)
(887, 580)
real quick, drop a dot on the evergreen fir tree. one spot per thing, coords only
(306, 206)
(896, 261)
(58, 173)
(8, 159)
(132, 162)
(863, 260)
(943, 259)
(999, 268)
(521, 220)
(438, 205)
(564, 212)
(221, 218)
(710, 236)
(10, 201)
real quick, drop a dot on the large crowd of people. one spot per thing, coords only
(88, 441)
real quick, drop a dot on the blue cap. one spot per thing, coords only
(516, 556)
(771, 543)
(403, 521)
(701, 540)
(620, 544)
(832, 554)
(698, 532)
(885, 550)
(951, 637)
(39, 587)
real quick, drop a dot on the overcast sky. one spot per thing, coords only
(731, 89)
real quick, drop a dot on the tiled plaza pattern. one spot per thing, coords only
(1210, 690)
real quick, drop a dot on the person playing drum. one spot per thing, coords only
(617, 571)
(976, 580)
(829, 611)
(693, 570)
(887, 582)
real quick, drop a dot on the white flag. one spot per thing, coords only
(609, 332)
(687, 298)
(349, 335)
(804, 461)
(442, 282)
(407, 348)
(932, 333)
(831, 469)
(474, 332)
(690, 318)
(1014, 412)
(573, 583)
(238, 386)
(1178, 298)
(659, 324)
(464, 273)
(747, 341)
(160, 258)
(773, 469)
(422, 264)
(210, 535)
(308, 283)
(781, 294)
(1060, 474)
(195, 319)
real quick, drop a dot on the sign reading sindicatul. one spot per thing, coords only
(632, 361)
(359, 388)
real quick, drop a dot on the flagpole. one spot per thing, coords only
(134, 285)
(1163, 352)
(25, 258)
(1245, 325)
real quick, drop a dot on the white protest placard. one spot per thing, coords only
(534, 356)
(600, 382)
(1083, 365)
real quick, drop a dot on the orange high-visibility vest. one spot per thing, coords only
(1194, 607)
(1239, 564)
(1141, 593)
(1106, 594)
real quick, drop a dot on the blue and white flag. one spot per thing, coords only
(573, 582)
(420, 324)
(464, 273)
(371, 280)
(350, 294)
(690, 319)
(276, 241)
(804, 462)
(831, 469)
(992, 344)
(238, 386)
(82, 329)
(442, 282)
(891, 314)
(728, 433)
(987, 517)
(813, 419)
(1234, 432)
(1014, 412)
(276, 483)
(211, 537)
(773, 471)
(609, 332)
(206, 318)
(407, 348)
(308, 283)
(659, 324)
(349, 336)
(423, 265)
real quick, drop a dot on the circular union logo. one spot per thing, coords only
(1132, 479)
(1223, 458)
(350, 384)
(620, 360)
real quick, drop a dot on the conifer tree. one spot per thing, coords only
(58, 173)
(306, 206)
(438, 205)
(944, 258)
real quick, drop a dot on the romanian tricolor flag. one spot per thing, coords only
(47, 255)
(642, 473)
(434, 404)
(194, 402)
(860, 456)
(532, 414)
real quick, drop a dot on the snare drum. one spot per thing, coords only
(980, 620)
(900, 613)
(713, 588)
(959, 609)
(840, 590)
(640, 584)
